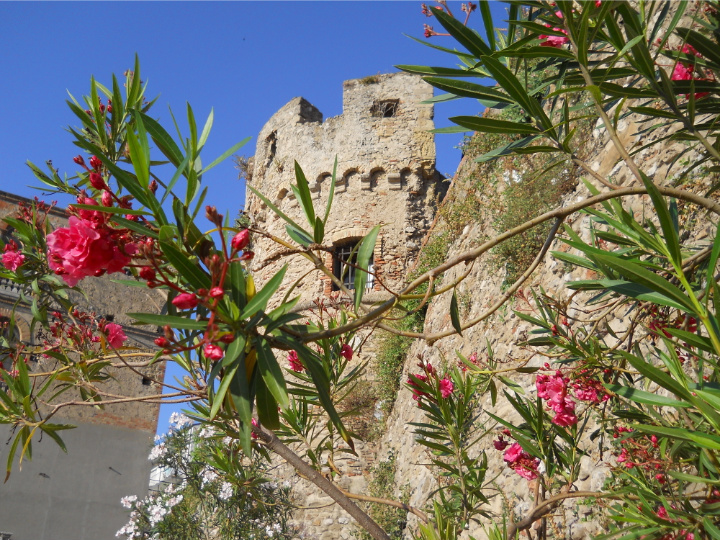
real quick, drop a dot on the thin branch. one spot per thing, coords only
(365, 521)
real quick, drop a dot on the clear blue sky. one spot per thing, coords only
(244, 59)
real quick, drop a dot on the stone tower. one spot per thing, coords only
(385, 175)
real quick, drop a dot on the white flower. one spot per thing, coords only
(225, 491)
(174, 501)
(179, 421)
(158, 451)
(156, 513)
(127, 501)
(206, 432)
(208, 475)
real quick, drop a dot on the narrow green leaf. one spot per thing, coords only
(647, 398)
(657, 376)
(234, 356)
(490, 125)
(468, 89)
(271, 373)
(467, 37)
(666, 222)
(170, 320)
(455, 314)
(442, 71)
(163, 140)
(704, 440)
(322, 385)
(277, 211)
(299, 235)
(229, 152)
(260, 300)
(365, 251)
(640, 275)
(190, 271)
(267, 407)
(302, 192)
(331, 195)
(206, 129)
(112, 209)
(134, 226)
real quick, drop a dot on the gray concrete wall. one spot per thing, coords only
(74, 496)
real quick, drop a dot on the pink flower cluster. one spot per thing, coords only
(88, 246)
(554, 389)
(12, 259)
(521, 462)
(555, 41)
(79, 332)
(686, 72)
(588, 388)
(444, 385)
(294, 362)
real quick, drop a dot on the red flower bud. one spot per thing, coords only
(240, 240)
(346, 352)
(185, 301)
(79, 160)
(227, 338)
(97, 181)
(213, 352)
(106, 198)
(247, 256)
(147, 273)
(95, 163)
(162, 342)
(153, 187)
(217, 292)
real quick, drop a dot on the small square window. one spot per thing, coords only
(386, 108)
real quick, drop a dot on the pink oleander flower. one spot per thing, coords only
(446, 387)
(417, 392)
(513, 453)
(115, 335)
(662, 513)
(551, 388)
(87, 248)
(527, 471)
(240, 240)
(554, 389)
(186, 301)
(294, 362)
(213, 352)
(686, 72)
(521, 462)
(255, 424)
(12, 259)
(346, 352)
(554, 41)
